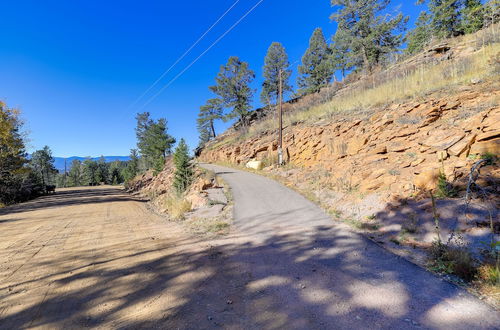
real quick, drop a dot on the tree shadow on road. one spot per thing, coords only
(71, 197)
(324, 278)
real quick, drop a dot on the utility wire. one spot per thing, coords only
(183, 55)
(201, 55)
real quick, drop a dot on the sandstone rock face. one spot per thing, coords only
(490, 147)
(398, 148)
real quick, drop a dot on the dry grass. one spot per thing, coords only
(361, 97)
(176, 205)
(211, 226)
(423, 80)
(489, 274)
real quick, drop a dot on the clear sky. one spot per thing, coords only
(74, 67)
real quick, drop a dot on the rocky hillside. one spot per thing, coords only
(398, 148)
(205, 208)
(370, 151)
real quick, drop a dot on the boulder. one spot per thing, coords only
(255, 164)
(490, 146)
(443, 140)
(462, 146)
(490, 135)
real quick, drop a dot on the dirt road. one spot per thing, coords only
(97, 257)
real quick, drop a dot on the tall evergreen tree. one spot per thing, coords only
(233, 88)
(132, 168)
(472, 16)
(116, 172)
(370, 33)
(89, 171)
(445, 21)
(153, 141)
(75, 173)
(340, 56)
(43, 164)
(276, 61)
(183, 174)
(420, 36)
(316, 69)
(207, 116)
(102, 174)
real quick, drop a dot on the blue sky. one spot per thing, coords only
(75, 67)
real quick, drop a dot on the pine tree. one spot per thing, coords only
(153, 141)
(445, 21)
(75, 173)
(183, 174)
(316, 70)
(89, 171)
(204, 136)
(276, 61)
(472, 16)
(233, 88)
(370, 35)
(340, 56)
(421, 35)
(491, 12)
(116, 172)
(102, 173)
(43, 164)
(208, 114)
(132, 168)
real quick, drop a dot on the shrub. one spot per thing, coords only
(489, 157)
(410, 224)
(444, 188)
(453, 260)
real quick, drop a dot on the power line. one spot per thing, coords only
(201, 55)
(184, 55)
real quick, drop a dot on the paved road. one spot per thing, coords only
(321, 275)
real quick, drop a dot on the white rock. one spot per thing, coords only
(255, 164)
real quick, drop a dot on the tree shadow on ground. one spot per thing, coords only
(459, 222)
(324, 278)
(71, 197)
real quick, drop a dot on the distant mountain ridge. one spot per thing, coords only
(59, 161)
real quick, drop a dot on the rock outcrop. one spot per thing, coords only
(399, 147)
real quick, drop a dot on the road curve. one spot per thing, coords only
(321, 275)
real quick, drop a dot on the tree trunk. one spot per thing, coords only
(213, 128)
(365, 59)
